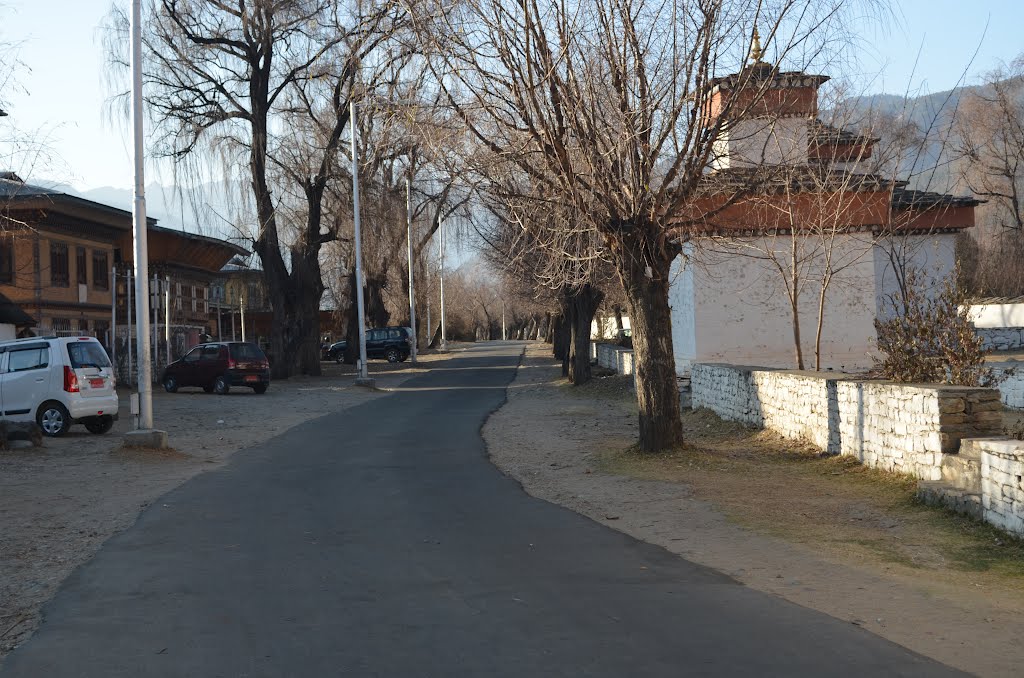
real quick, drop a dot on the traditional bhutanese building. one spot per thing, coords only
(789, 203)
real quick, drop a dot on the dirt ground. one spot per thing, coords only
(822, 532)
(58, 504)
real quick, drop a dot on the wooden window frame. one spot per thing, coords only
(57, 279)
(100, 262)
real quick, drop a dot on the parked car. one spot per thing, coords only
(393, 344)
(336, 351)
(218, 366)
(58, 382)
(390, 343)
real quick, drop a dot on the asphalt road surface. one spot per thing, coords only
(382, 542)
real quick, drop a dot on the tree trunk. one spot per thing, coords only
(643, 259)
(793, 301)
(563, 338)
(618, 318)
(582, 306)
(821, 322)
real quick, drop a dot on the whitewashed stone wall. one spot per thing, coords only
(1002, 483)
(1011, 389)
(613, 357)
(896, 427)
(1001, 338)
(794, 404)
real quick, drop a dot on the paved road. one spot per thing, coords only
(383, 543)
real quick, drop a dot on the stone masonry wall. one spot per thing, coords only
(1002, 483)
(1011, 389)
(896, 427)
(1001, 338)
(793, 404)
(614, 357)
(907, 428)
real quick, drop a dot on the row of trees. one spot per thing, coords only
(578, 132)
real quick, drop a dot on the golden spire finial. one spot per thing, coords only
(755, 48)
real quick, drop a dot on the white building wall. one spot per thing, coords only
(8, 332)
(997, 315)
(681, 301)
(762, 141)
(742, 311)
(935, 255)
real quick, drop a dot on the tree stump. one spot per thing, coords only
(20, 430)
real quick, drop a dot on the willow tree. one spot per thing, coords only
(261, 89)
(607, 105)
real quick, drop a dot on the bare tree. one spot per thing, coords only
(262, 87)
(608, 105)
(989, 135)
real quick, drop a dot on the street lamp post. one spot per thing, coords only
(363, 379)
(412, 293)
(145, 435)
(444, 340)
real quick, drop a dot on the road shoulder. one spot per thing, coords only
(557, 440)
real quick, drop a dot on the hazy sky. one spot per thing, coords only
(59, 43)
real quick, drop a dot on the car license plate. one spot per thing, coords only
(252, 377)
(96, 383)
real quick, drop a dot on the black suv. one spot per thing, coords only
(392, 343)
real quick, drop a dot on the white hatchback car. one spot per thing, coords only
(57, 382)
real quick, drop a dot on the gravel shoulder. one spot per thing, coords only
(825, 534)
(59, 503)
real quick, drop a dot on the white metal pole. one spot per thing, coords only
(129, 310)
(241, 314)
(167, 317)
(444, 340)
(429, 328)
(360, 310)
(154, 287)
(412, 292)
(504, 336)
(139, 228)
(113, 317)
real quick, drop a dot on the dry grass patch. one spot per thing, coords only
(833, 504)
(139, 453)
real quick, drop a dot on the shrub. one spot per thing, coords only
(930, 338)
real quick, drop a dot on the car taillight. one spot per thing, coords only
(231, 363)
(70, 380)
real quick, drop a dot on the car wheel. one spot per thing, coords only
(170, 384)
(261, 389)
(393, 355)
(53, 418)
(208, 389)
(221, 385)
(99, 425)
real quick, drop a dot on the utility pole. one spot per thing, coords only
(444, 340)
(129, 309)
(363, 379)
(145, 435)
(113, 317)
(167, 318)
(412, 292)
(241, 315)
(504, 336)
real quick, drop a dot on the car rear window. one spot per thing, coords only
(87, 354)
(247, 352)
